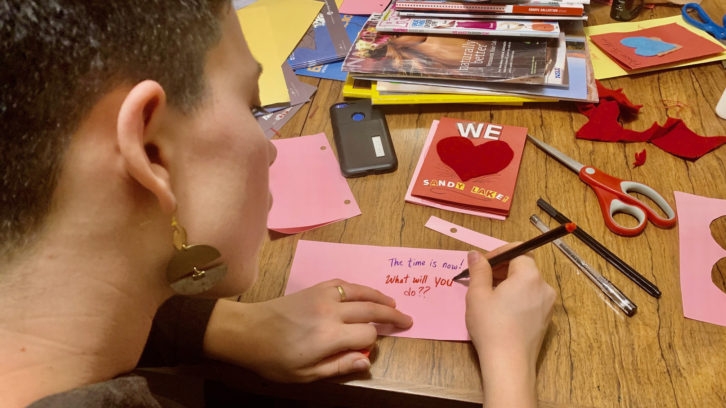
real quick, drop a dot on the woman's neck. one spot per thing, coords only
(71, 318)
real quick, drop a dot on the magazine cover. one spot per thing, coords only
(455, 57)
(325, 41)
(391, 21)
(556, 73)
(334, 70)
(531, 7)
(489, 16)
(473, 165)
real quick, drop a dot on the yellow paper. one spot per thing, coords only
(604, 67)
(272, 29)
(368, 90)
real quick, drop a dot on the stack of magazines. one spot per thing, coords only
(434, 51)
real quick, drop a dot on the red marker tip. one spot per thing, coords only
(570, 226)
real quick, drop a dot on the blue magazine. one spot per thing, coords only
(325, 41)
(353, 25)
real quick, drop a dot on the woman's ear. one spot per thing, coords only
(138, 116)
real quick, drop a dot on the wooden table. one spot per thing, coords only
(593, 356)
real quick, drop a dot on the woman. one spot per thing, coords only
(134, 169)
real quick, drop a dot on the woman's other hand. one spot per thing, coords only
(315, 333)
(507, 324)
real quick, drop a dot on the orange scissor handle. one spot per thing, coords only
(614, 197)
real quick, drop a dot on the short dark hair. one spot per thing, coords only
(59, 57)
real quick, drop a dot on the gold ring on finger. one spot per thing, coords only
(341, 292)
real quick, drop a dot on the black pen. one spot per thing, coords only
(526, 246)
(618, 263)
(608, 288)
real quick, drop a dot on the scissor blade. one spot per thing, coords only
(571, 163)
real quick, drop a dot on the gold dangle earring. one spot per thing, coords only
(192, 269)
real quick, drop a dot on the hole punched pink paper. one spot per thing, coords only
(474, 238)
(307, 188)
(699, 252)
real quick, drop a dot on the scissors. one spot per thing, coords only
(614, 195)
(704, 22)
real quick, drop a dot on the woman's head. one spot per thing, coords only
(59, 58)
(221, 161)
(166, 88)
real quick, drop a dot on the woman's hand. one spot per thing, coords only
(507, 324)
(315, 333)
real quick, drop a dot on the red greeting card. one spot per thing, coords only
(649, 47)
(472, 165)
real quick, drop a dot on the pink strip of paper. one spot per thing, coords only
(471, 237)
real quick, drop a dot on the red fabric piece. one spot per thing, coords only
(603, 126)
(677, 139)
(674, 137)
(586, 108)
(469, 161)
(628, 109)
(639, 158)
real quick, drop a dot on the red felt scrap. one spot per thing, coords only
(677, 139)
(603, 126)
(674, 137)
(627, 108)
(639, 158)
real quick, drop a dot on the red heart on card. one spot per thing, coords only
(469, 161)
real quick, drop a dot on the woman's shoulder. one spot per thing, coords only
(125, 391)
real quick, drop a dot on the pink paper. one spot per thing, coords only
(308, 190)
(699, 252)
(471, 237)
(363, 7)
(419, 280)
(431, 203)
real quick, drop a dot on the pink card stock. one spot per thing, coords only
(363, 7)
(699, 252)
(307, 188)
(419, 280)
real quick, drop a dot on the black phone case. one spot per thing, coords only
(362, 139)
